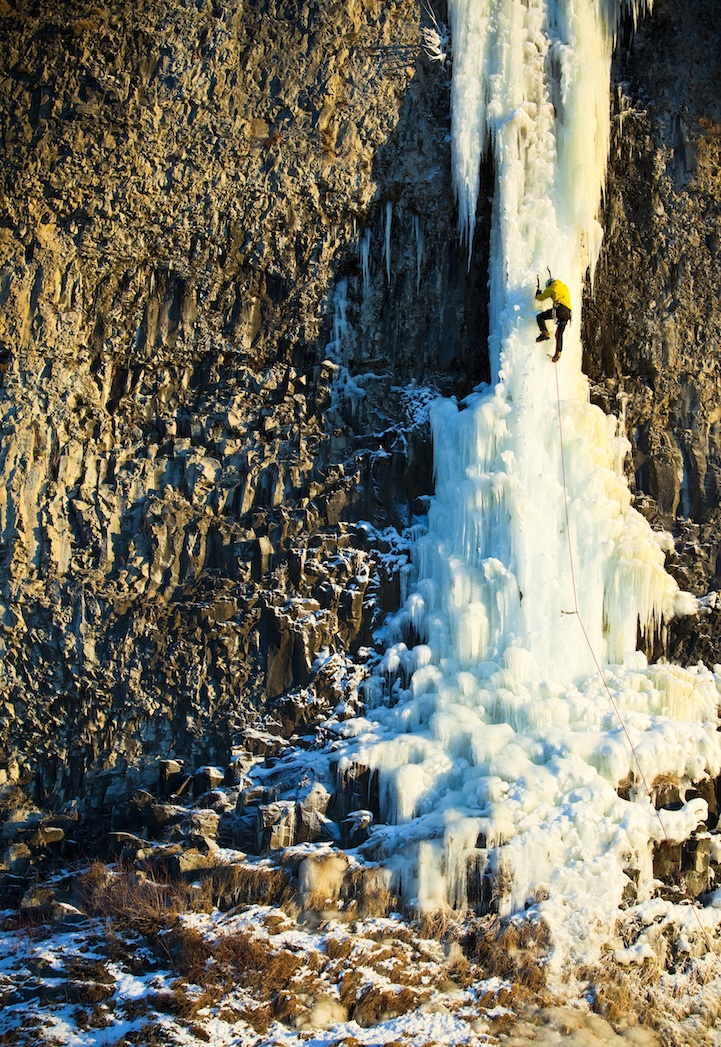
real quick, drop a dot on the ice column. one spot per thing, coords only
(531, 79)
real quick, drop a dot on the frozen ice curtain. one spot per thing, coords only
(497, 743)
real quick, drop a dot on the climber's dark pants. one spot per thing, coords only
(561, 314)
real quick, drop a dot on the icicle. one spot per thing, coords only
(418, 234)
(364, 251)
(470, 25)
(340, 322)
(389, 218)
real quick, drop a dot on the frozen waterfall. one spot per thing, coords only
(497, 743)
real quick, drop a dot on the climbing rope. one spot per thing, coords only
(601, 673)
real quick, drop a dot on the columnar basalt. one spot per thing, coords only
(216, 281)
(231, 282)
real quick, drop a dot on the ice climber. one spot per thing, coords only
(559, 294)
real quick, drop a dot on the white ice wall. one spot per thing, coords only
(532, 78)
(507, 744)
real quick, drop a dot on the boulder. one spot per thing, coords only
(275, 826)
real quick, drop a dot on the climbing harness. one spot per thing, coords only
(601, 674)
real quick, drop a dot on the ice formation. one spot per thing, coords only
(500, 732)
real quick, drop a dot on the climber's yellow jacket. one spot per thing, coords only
(556, 290)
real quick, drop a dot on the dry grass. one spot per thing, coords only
(501, 885)
(150, 1035)
(515, 952)
(98, 1017)
(380, 1003)
(657, 999)
(258, 1018)
(616, 993)
(397, 932)
(136, 1008)
(230, 960)
(663, 787)
(439, 925)
(275, 922)
(184, 1004)
(338, 948)
(457, 970)
(264, 972)
(136, 901)
(628, 996)
(403, 977)
(367, 974)
(253, 885)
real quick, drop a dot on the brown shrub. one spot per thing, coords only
(150, 1035)
(275, 922)
(503, 1023)
(189, 951)
(240, 884)
(287, 1008)
(438, 925)
(366, 894)
(242, 957)
(350, 984)
(122, 950)
(231, 1015)
(85, 969)
(135, 1008)
(612, 1001)
(199, 1032)
(397, 932)
(185, 1004)
(231, 959)
(515, 951)
(134, 900)
(258, 1018)
(457, 971)
(618, 993)
(338, 948)
(379, 1003)
(97, 1017)
(88, 992)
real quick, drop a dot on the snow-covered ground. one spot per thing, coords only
(255, 976)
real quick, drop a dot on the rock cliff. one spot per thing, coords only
(652, 323)
(221, 267)
(231, 283)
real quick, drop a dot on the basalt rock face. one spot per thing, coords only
(653, 324)
(226, 250)
(231, 284)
